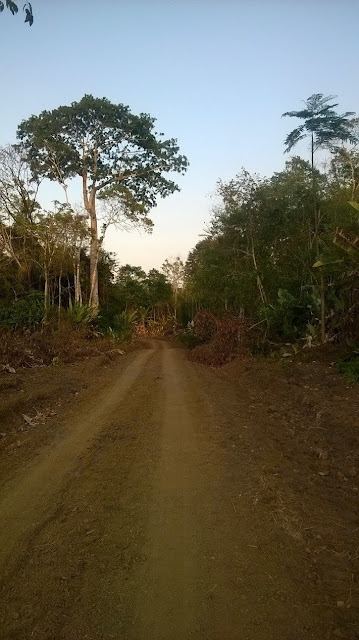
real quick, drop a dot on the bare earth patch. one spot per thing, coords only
(166, 500)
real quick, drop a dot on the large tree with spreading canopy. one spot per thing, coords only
(118, 156)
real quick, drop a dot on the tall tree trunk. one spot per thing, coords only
(69, 292)
(316, 212)
(322, 309)
(321, 285)
(176, 292)
(94, 251)
(46, 295)
(312, 149)
(60, 293)
(90, 206)
(259, 281)
(79, 284)
(77, 281)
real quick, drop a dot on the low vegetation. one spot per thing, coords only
(349, 366)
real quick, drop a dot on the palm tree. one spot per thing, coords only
(321, 123)
(324, 126)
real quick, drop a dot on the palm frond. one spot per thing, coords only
(350, 245)
(298, 114)
(318, 101)
(294, 137)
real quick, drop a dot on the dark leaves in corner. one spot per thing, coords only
(12, 6)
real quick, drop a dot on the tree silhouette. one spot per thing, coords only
(321, 123)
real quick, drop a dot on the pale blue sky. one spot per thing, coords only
(217, 76)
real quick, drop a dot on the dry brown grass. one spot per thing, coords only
(25, 349)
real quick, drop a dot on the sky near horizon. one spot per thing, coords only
(216, 74)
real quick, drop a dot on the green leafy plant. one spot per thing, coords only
(122, 326)
(187, 338)
(80, 315)
(349, 366)
(288, 317)
(25, 313)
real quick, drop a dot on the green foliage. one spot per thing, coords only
(25, 313)
(201, 330)
(13, 7)
(119, 157)
(272, 257)
(158, 288)
(105, 319)
(173, 270)
(136, 290)
(349, 367)
(80, 315)
(123, 157)
(145, 298)
(281, 250)
(256, 243)
(349, 242)
(188, 339)
(321, 122)
(123, 325)
(355, 205)
(289, 317)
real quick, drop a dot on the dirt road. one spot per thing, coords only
(145, 518)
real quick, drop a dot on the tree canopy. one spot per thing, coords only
(119, 157)
(268, 255)
(321, 122)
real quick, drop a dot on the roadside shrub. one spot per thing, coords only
(205, 326)
(80, 315)
(106, 318)
(187, 339)
(227, 342)
(199, 331)
(118, 325)
(25, 313)
(149, 327)
(288, 318)
(349, 366)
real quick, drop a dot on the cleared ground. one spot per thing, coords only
(169, 501)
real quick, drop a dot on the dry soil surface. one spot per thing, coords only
(158, 499)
